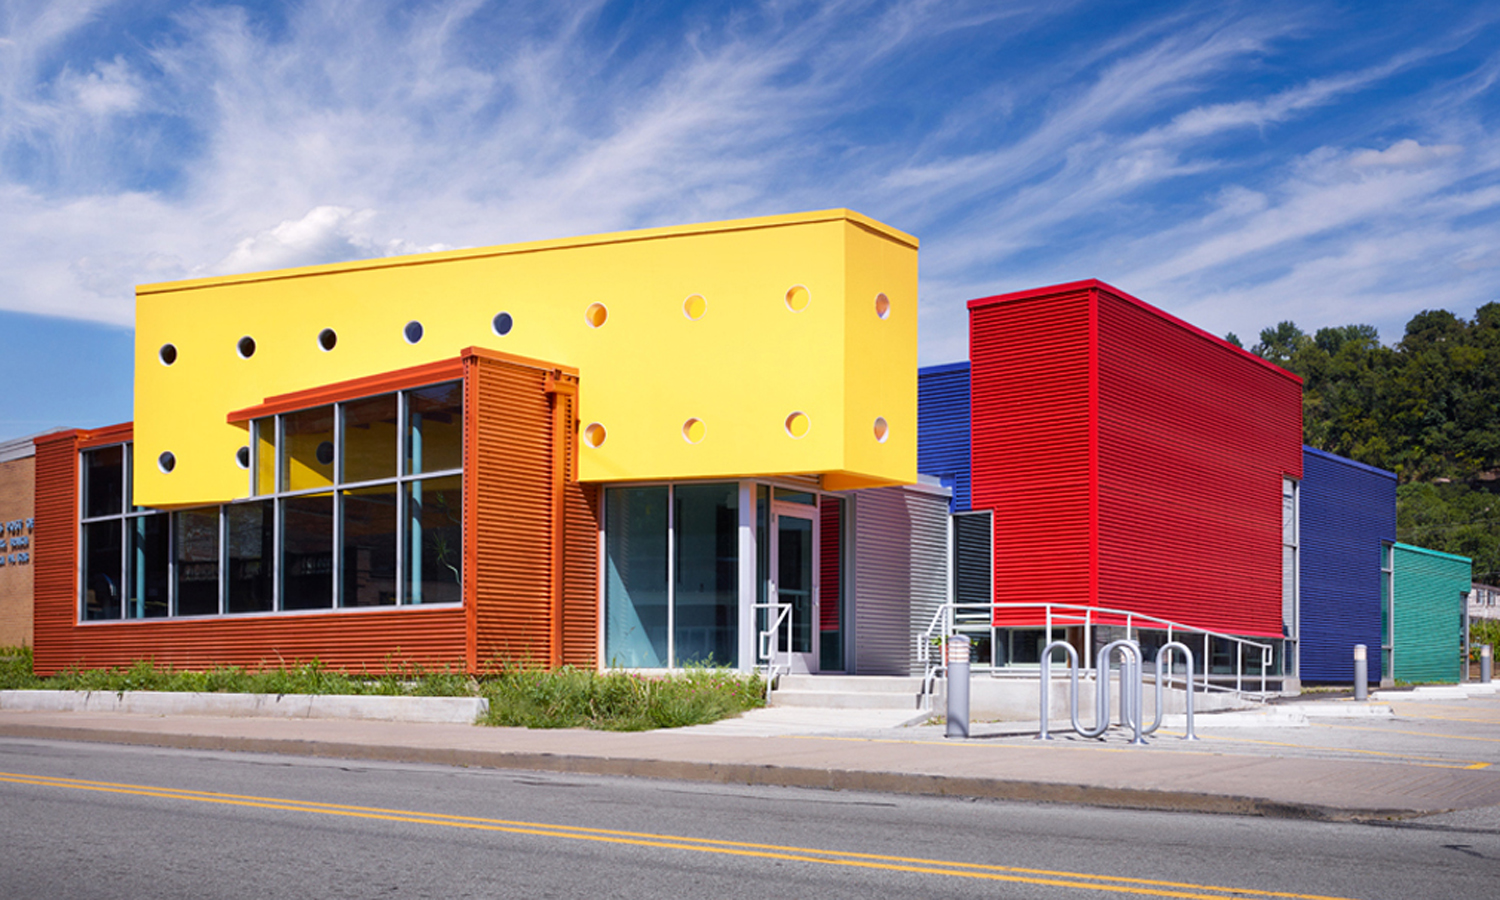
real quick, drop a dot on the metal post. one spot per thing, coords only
(1361, 673)
(958, 686)
(1486, 654)
(1044, 734)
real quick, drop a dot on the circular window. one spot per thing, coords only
(594, 434)
(167, 354)
(693, 430)
(412, 331)
(325, 453)
(166, 462)
(327, 338)
(502, 324)
(596, 315)
(246, 347)
(798, 424)
(882, 429)
(882, 306)
(797, 298)
(694, 307)
(242, 457)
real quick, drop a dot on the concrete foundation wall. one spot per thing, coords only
(1019, 700)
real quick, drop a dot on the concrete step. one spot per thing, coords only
(822, 699)
(852, 684)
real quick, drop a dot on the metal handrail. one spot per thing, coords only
(946, 622)
(768, 642)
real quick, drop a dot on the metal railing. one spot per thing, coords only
(768, 640)
(979, 619)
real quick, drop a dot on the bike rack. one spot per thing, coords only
(1132, 690)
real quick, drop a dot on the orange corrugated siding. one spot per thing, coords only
(55, 549)
(534, 547)
(531, 546)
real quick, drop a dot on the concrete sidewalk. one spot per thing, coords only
(1428, 755)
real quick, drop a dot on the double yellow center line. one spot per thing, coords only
(1076, 880)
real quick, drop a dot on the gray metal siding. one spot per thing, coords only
(900, 574)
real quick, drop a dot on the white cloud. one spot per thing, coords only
(358, 128)
(1406, 153)
(110, 89)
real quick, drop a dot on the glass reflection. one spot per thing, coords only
(369, 551)
(307, 552)
(434, 557)
(434, 428)
(197, 562)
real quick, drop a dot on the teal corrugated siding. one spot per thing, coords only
(1429, 608)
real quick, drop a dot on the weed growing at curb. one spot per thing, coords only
(616, 700)
(528, 697)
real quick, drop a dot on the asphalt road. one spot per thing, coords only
(102, 821)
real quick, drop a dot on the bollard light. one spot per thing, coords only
(1361, 673)
(958, 686)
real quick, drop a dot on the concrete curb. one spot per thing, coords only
(733, 773)
(430, 710)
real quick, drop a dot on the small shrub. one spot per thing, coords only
(1484, 631)
(15, 669)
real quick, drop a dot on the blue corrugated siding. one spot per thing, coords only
(943, 428)
(1347, 510)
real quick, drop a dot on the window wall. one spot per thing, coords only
(1290, 532)
(355, 504)
(672, 575)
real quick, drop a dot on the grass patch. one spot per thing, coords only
(533, 698)
(618, 701)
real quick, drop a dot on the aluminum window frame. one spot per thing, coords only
(276, 495)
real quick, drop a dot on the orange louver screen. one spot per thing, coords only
(532, 526)
(55, 550)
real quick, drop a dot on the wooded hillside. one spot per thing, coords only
(1426, 408)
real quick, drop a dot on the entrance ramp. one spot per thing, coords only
(893, 692)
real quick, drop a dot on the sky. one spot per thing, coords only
(1234, 163)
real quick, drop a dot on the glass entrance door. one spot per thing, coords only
(795, 582)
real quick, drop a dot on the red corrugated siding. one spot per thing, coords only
(1031, 443)
(1194, 439)
(830, 568)
(1131, 460)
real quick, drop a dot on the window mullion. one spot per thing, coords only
(338, 506)
(401, 513)
(671, 577)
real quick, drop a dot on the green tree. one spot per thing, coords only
(1278, 344)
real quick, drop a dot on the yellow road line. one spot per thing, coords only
(1452, 737)
(1078, 880)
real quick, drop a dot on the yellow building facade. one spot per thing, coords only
(758, 347)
